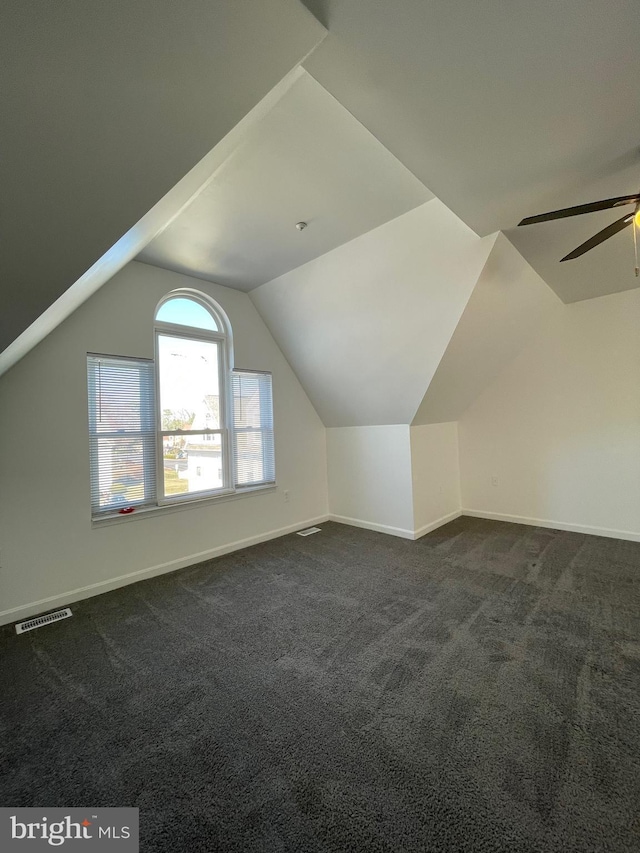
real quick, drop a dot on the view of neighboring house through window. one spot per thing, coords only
(192, 432)
(184, 427)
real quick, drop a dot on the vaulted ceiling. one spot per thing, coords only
(106, 106)
(501, 110)
(307, 159)
(366, 325)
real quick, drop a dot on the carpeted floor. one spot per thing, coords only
(476, 690)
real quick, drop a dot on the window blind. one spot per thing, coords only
(122, 436)
(253, 446)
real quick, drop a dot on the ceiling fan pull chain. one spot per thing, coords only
(635, 245)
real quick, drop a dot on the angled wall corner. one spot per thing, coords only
(366, 325)
(509, 303)
(393, 478)
(369, 478)
(435, 476)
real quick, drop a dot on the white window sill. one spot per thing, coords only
(180, 506)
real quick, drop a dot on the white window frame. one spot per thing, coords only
(224, 338)
(225, 364)
(150, 487)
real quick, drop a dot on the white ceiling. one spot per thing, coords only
(366, 325)
(105, 107)
(504, 110)
(608, 268)
(307, 160)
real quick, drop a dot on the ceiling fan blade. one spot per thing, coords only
(605, 204)
(600, 237)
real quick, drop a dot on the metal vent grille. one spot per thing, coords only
(39, 621)
(309, 531)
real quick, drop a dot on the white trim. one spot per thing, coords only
(34, 608)
(445, 519)
(222, 340)
(556, 525)
(370, 525)
(205, 301)
(149, 511)
(402, 532)
(16, 614)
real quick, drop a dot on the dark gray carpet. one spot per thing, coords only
(477, 690)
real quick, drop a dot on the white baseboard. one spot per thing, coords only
(15, 614)
(555, 525)
(404, 533)
(33, 608)
(422, 531)
(371, 525)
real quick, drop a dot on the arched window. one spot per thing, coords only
(185, 426)
(193, 361)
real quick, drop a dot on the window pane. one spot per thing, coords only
(253, 428)
(192, 463)
(254, 450)
(121, 432)
(189, 383)
(120, 469)
(120, 389)
(186, 312)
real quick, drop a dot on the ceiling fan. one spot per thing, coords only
(603, 235)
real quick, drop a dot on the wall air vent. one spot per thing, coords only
(39, 621)
(309, 531)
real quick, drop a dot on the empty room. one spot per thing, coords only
(320, 426)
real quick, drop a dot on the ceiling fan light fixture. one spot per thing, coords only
(601, 236)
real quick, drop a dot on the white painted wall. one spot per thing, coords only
(370, 477)
(508, 305)
(365, 325)
(560, 426)
(435, 475)
(395, 479)
(48, 547)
